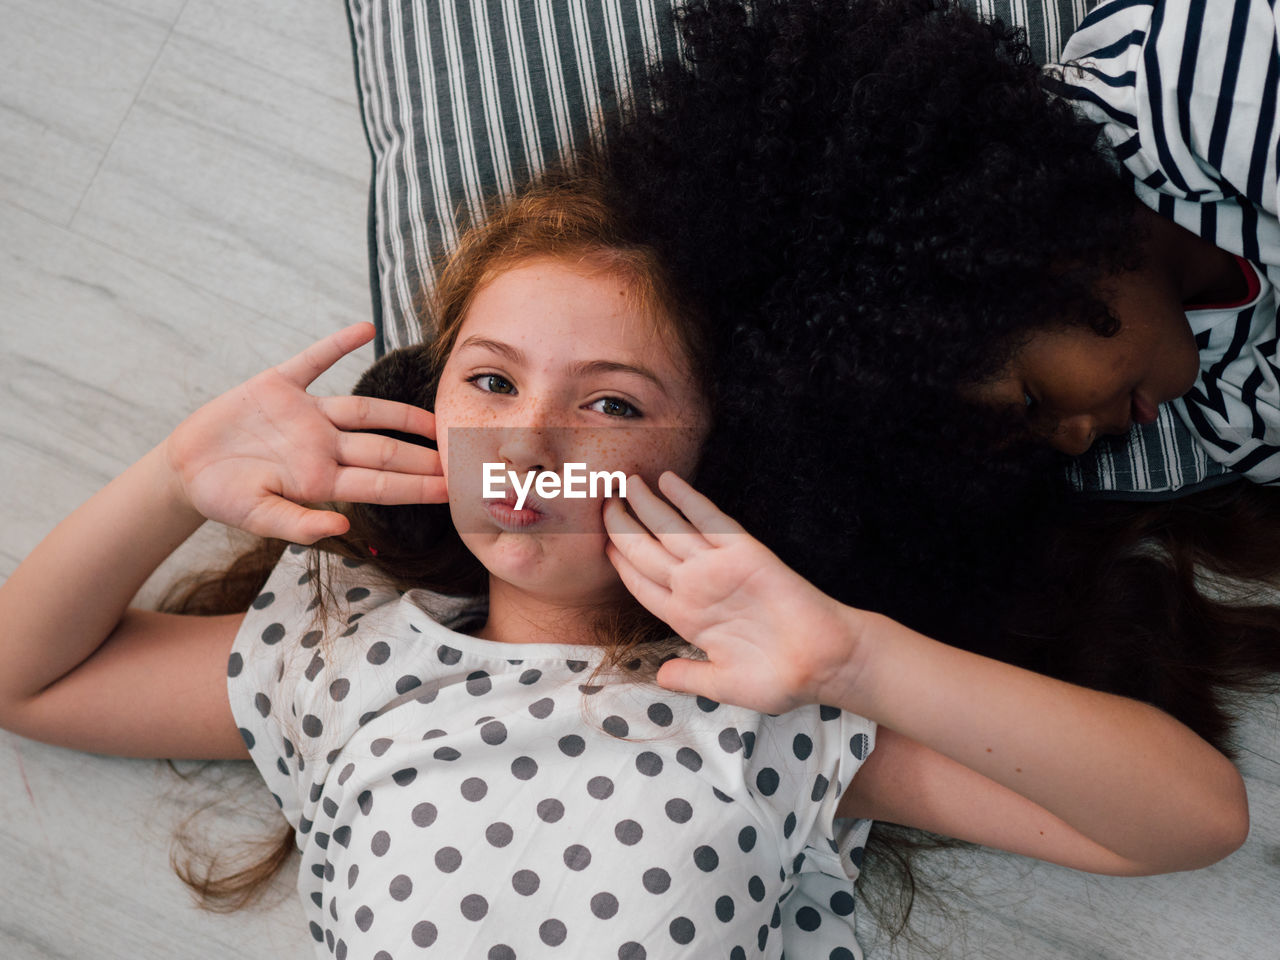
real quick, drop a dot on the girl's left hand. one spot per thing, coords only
(773, 640)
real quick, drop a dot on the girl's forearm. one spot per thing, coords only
(1122, 772)
(64, 600)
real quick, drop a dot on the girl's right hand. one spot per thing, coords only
(252, 457)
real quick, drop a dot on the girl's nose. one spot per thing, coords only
(1074, 435)
(526, 449)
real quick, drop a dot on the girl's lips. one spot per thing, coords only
(507, 516)
(1144, 411)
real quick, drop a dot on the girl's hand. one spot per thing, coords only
(251, 457)
(773, 641)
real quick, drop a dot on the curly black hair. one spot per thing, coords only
(874, 203)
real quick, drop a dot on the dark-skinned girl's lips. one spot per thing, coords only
(1144, 411)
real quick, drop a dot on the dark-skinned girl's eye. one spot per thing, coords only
(614, 407)
(492, 383)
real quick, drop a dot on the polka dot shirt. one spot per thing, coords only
(457, 797)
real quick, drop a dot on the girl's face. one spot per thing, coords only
(555, 363)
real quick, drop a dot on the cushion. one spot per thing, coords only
(464, 100)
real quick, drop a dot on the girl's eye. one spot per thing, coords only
(492, 383)
(1030, 402)
(613, 407)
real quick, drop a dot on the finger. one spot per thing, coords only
(372, 413)
(632, 540)
(674, 531)
(363, 485)
(323, 354)
(385, 453)
(286, 520)
(689, 676)
(652, 596)
(717, 527)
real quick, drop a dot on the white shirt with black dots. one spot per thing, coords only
(457, 797)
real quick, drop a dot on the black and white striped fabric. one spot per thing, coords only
(1187, 90)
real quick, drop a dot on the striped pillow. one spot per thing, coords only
(463, 100)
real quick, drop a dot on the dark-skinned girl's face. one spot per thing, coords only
(1073, 385)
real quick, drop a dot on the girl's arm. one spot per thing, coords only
(82, 669)
(1120, 774)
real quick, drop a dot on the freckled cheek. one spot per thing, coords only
(646, 452)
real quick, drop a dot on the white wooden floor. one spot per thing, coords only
(182, 203)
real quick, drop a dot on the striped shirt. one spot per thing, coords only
(1186, 91)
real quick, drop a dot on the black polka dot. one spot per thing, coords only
(706, 704)
(762, 936)
(789, 824)
(660, 714)
(474, 906)
(263, 600)
(382, 955)
(628, 832)
(690, 758)
(724, 908)
(737, 953)
(366, 717)
(767, 781)
(448, 655)
(314, 667)
(310, 639)
(447, 754)
(730, 740)
(364, 918)
(311, 725)
(340, 688)
(365, 801)
(808, 919)
(801, 746)
(572, 745)
(448, 859)
(380, 653)
(424, 814)
(706, 858)
(273, 634)
(406, 776)
(859, 745)
(247, 737)
(775, 921)
(649, 763)
(576, 666)
(424, 933)
(746, 839)
(406, 683)
(755, 887)
(656, 880)
(380, 746)
(328, 939)
(631, 951)
(478, 683)
(842, 903)
(604, 905)
(356, 594)
(380, 843)
(353, 872)
(493, 733)
(524, 768)
(498, 834)
(530, 677)
(330, 807)
(577, 857)
(841, 953)
(552, 932)
(615, 726)
(681, 930)
(600, 787)
(820, 787)
(828, 713)
(748, 743)
(541, 709)
(340, 950)
(500, 951)
(235, 664)
(474, 789)
(525, 882)
(550, 810)
(679, 810)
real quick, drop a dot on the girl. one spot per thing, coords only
(918, 237)
(485, 768)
